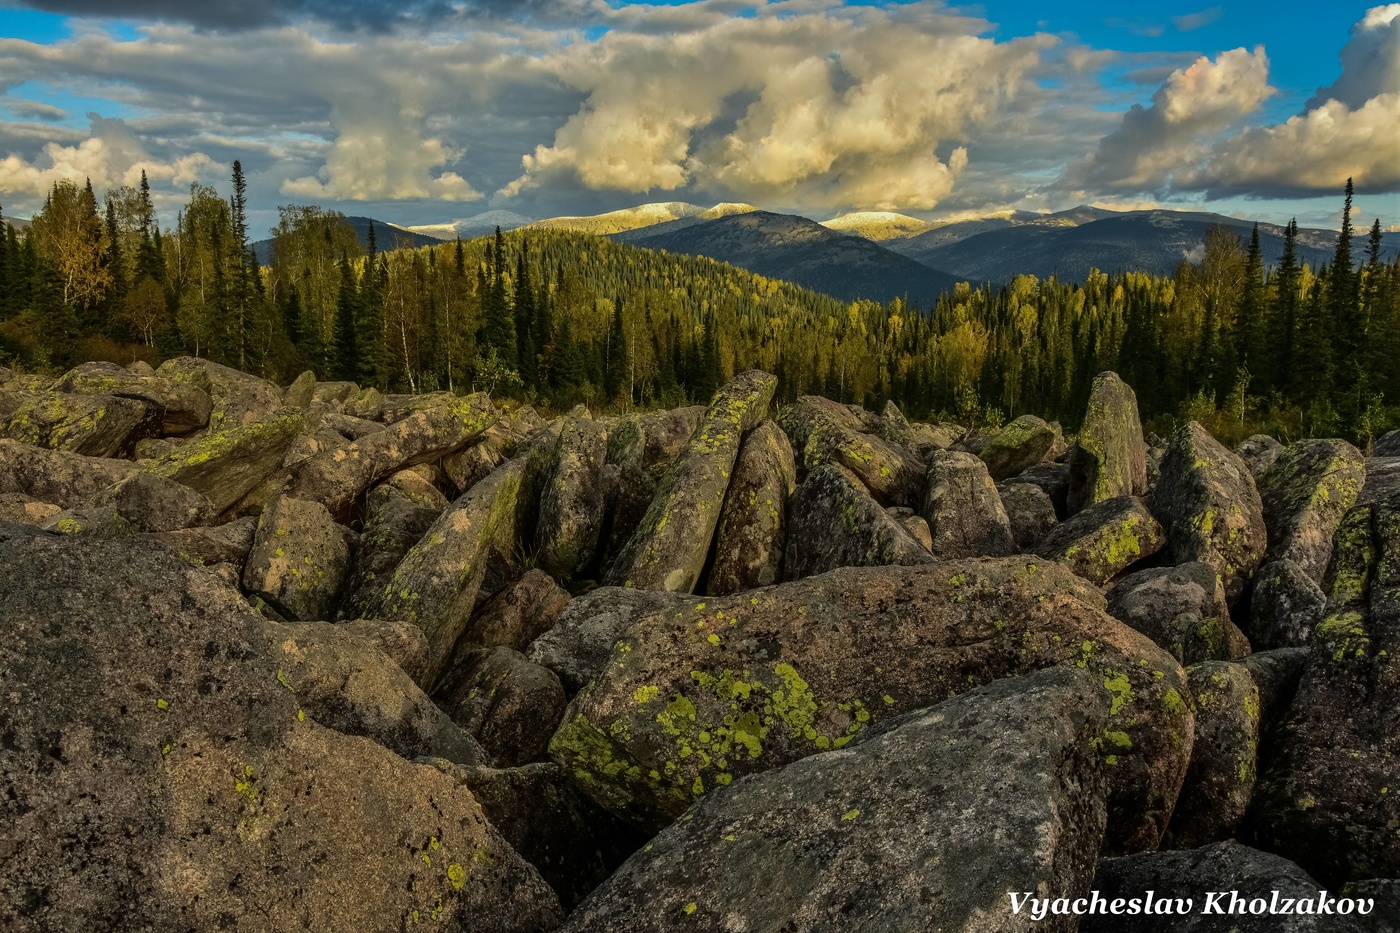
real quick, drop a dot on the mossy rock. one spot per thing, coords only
(833, 522)
(91, 425)
(1183, 609)
(964, 510)
(1018, 446)
(63, 479)
(225, 465)
(184, 407)
(1310, 486)
(753, 523)
(1103, 541)
(299, 559)
(571, 509)
(1109, 457)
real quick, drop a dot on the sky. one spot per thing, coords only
(428, 111)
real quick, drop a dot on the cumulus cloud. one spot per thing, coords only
(111, 155)
(1348, 130)
(1195, 104)
(828, 108)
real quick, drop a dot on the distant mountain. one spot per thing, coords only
(469, 228)
(644, 215)
(944, 234)
(19, 224)
(387, 237)
(1154, 241)
(878, 225)
(798, 250)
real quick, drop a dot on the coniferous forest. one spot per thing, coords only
(1241, 341)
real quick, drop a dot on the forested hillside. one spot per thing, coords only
(1242, 341)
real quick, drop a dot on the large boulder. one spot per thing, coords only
(91, 425)
(56, 477)
(299, 559)
(238, 398)
(699, 694)
(571, 511)
(1182, 609)
(963, 509)
(1017, 447)
(395, 520)
(753, 522)
(833, 522)
(1258, 451)
(1208, 504)
(437, 582)
(893, 475)
(518, 614)
(184, 407)
(1029, 511)
(1305, 494)
(670, 546)
(153, 740)
(228, 463)
(337, 478)
(154, 503)
(1387, 445)
(577, 645)
(925, 824)
(1053, 480)
(1224, 756)
(1215, 890)
(509, 703)
(1109, 457)
(1285, 607)
(1328, 798)
(1105, 539)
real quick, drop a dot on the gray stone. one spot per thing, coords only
(154, 503)
(753, 521)
(1285, 607)
(509, 703)
(571, 509)
(227, 464)
(1105, 539)
(91, 425)
(299, 559)
(1305, 494)
(833, 522)
(1017, 447)
(1182, 609)
(184, 407)
(963, 509)
(1030, 512)
(577, 646)
(1258, 451)
(1109, 457)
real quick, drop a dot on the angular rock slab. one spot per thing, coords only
(228, 463)
(299, 559)
(1305, 494)
(238, 398)
(1258, 451)
(184, 407)
(91, 425)
(1030, 512)
(1208, 504)
(1109, 458)
(833, 522)
(152, 743)
(925, 824)
(571, 511)
(1285, 607)
(669, 548)
(578, 644)
(63, 479)
(963, 509)
(1224, 756)
(702, 693)
(1104, 539)
(753, 522)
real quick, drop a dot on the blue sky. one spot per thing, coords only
(424, 112)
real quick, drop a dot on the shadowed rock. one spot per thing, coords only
(154, 503)
(1224, 756)
(509, 703)
(1305, 494)
(833, 522)
(91, 425)
(1109, 458)
(228, 463)
(1105, 539)
(1258, 451)
(238, 398)
(56, 477)
(1029, 511)
(753, 522)
(184, 407)
(1182, 609)
(299, 559)
(1286, 606)
(577, 646)
(571, 511)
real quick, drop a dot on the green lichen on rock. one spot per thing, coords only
(227, 464)
(1109, 457)
(1104, 540)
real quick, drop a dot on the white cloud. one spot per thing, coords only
(1187, 112)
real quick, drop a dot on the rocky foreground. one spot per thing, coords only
(321, 658)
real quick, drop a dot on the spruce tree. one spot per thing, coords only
(524, 317)
(1285, 318)
(615, 381)
(347, 354)
(1249, 321)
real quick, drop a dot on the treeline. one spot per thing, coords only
(1240, 341)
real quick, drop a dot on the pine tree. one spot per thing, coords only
(615, 381)
(524, 317)
(1285, 318)
(347, 355)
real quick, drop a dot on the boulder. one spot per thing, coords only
(18, 508)
(894, 427)
(699, 694)
(1017, 447)
(571, 510)
(91, 425)
(338, 478)
(1182, 609)
(1224, 756)
(1276, 674)
(1053, 480)
(1387, 445)
(1285, 607)
(518, 614)
(963, 509)
(913, 523)
(332, 392)
(573, 843)
(154, 503)
(1384, 897)
(1029, 511)
(753, 521)
(156, 749)
(402, 642)
(1109, 457)
(1305, 494)
(302, 392)
(221, 544)
(925, 824)
(628, 489)
(306, 446)
(1186, 879)
(833, 522)
(1258, 451)
(1382, 480)
(669, 548)
(90, 523)
(299, 559)
(1105, 539)
(667, 433)
(227, 464)
(1208, 504)
(348, 426)
(484, 532)
(577, 646)
(394, 522)
(892, 474)
(184, 407)
(1328, 798)
(510, 704)
(238, 398)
